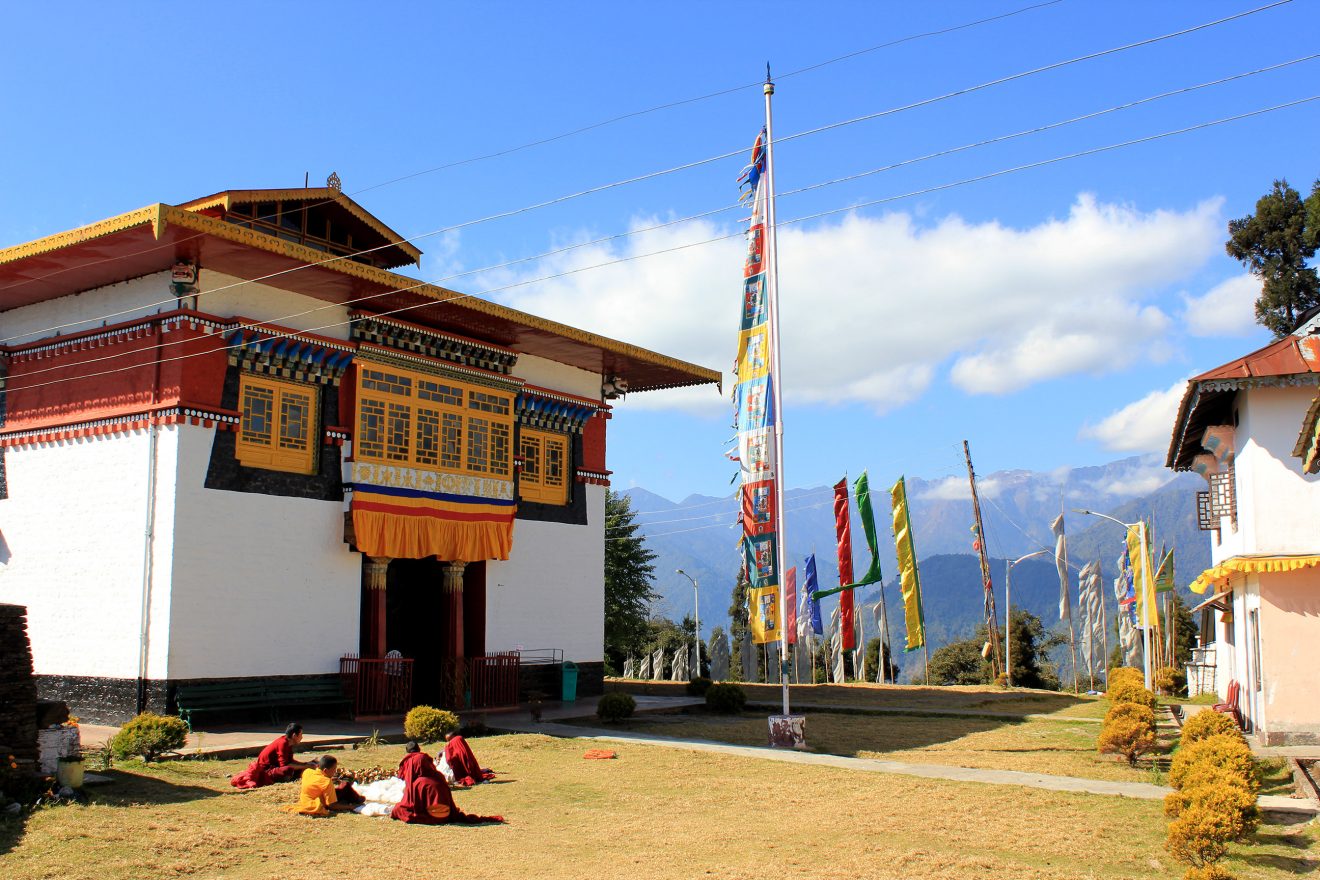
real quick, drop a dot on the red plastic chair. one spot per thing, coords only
(1230, 706)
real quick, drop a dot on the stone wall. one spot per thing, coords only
(18, 693)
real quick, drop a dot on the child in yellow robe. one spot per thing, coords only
(317, 791)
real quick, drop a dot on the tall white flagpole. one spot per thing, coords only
(772, 290)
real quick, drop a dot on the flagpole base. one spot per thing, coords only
(788, 732)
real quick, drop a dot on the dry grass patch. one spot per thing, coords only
(654, 812)
(1056, 747)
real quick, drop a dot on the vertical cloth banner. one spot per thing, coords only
(809, 588)
(755, 418)
(1093, 628)
(862, 489)
(1143, 581)
(790, 604)
(843, 534)
(1164, 574)
(909, 579)
(1061, 563)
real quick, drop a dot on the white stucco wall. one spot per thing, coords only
(227, 295)
(73, 551)
(558, 377)
(1278, 506)
(263, 585)
(113, 304)
(550, 593)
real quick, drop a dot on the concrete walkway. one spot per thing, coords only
(990, 714)
(1297, 808)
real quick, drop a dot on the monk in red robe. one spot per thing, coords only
(427, 799)
(275, 763)
(462, 763)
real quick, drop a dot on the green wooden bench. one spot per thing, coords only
(225, 696)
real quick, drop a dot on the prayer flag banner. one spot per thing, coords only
(909, 579)
(843, 532)
(1061, 563)
(809, 587)
(755, 418)
(765, 614)
(1164, 575)
(862, 489)
(790, 604)
(1143, 582)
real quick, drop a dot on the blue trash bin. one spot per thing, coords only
(570, 681)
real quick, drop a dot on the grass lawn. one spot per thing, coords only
(654, 813)
(890, 696)
(1059, 747)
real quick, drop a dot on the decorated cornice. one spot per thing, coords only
(594, 478)
(168, 322)
(288, 355)
(415, 338)
(224, 420)
(552, 411)
(384, 355)
(150, 214)
(1247, 382)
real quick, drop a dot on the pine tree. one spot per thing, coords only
(1274, 244)
(738, 624)
(629, 575)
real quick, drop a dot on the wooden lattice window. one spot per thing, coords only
(278, 425)
(544, 475)
(1205, 513)
(1223, 498)
(425, 421)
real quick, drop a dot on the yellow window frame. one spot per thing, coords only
(546, 466)
(432, 422)
(279, 424)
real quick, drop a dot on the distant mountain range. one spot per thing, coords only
(699, 535)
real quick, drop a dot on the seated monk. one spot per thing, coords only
(426, 796)
(459, 757)
(316, 795)
(275, 763)
(421, 763)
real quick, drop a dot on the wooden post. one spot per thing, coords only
(992, 625)
(374, 572)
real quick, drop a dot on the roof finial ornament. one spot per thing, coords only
(334, 182)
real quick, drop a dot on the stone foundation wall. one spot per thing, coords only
(18, 693)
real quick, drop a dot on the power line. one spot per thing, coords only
(690, 165)
(739, 233)
(593, 126)
(702, 215)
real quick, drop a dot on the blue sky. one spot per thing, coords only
(1047, 316)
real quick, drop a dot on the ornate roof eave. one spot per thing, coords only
(1198, 391)
(231, 197)
(152, 214)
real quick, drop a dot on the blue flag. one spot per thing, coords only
(809, 586)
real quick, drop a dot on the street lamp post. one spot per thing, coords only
(1008, 611)
(696, 619)
(1146, 594)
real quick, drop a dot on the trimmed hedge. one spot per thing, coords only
(697, 687)
(726, 698)
(429, 724)
(1129, 730)
(1131, 692)
(1222, 752)
(149, 735)
(1205, 724)
(615, 706)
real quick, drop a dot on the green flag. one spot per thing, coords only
(1164, 574)
(862, 489)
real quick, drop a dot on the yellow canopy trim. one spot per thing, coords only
(1220, 574)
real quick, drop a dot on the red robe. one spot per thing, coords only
(427, 799)
(463, 764)
(274, 764)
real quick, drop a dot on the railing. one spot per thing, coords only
(488, 682)
(377, 685)
(539, 656)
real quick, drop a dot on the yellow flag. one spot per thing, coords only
(764, 617)
(909, 579)
(1143, 580)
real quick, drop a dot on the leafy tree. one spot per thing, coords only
(738, 625)
(1185, 632)
(629, 575)
(960, 663)
(1274, 244)
(873, 661)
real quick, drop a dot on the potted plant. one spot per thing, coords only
(70, 770)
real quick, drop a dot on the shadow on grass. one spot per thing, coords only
(11, 831)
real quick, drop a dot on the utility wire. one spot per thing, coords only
(593, 126)
(723, 209)
(700, 162)
(739, 233)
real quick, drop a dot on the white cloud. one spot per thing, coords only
(875, 307)
(958, 489)
(1141, 426)
(1227, 309)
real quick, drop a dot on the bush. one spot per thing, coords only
(1204, 725)
(697, 687)
(428, 724)
(1225, 796)
(1207, 872)
(1224, 752)
(149, 735)
(1128, 674)
(615, 706)
(1199, 836)
(1165, 680)
(1129, 730)
(725, 698)
(1131, 692)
